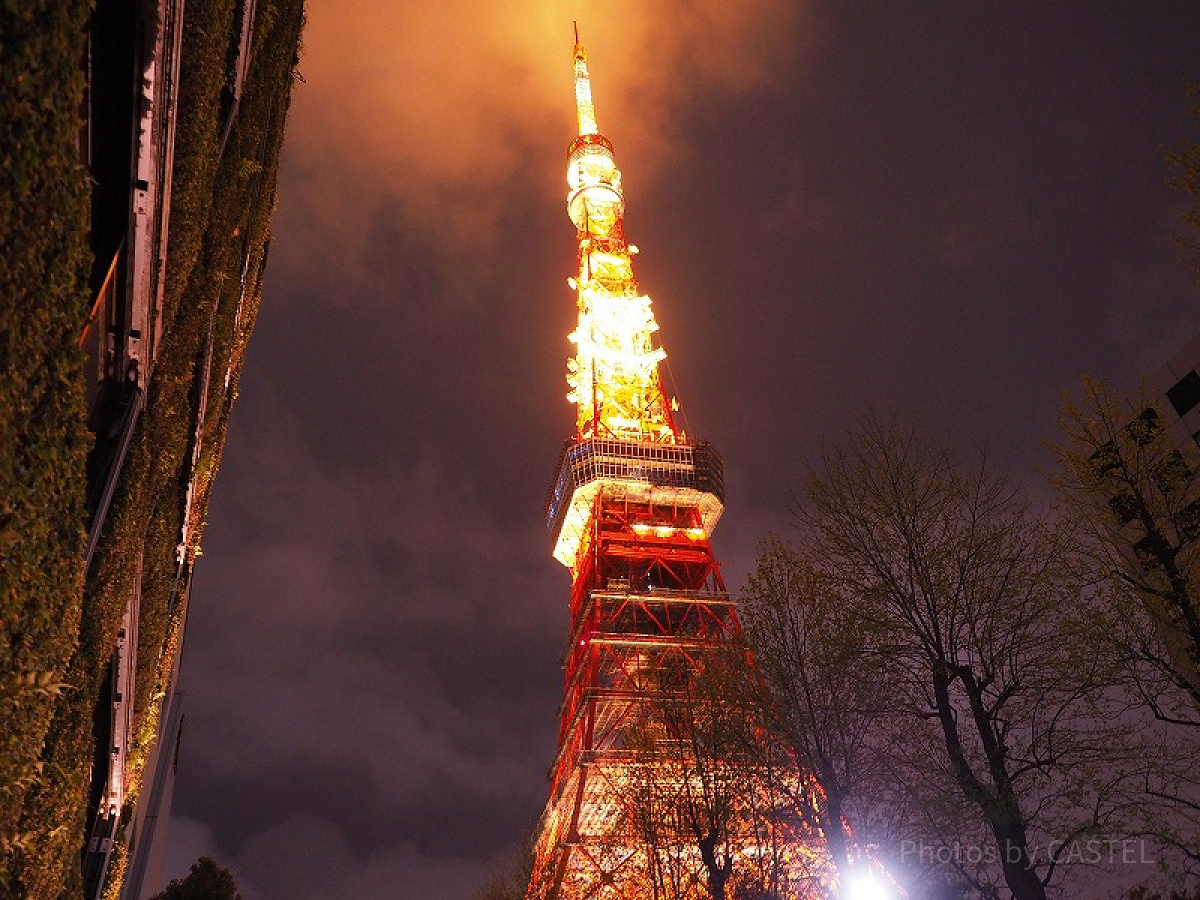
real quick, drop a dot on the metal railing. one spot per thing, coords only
(695, 466)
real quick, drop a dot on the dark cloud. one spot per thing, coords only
(948, 213)
(333, 868)
(359, 639)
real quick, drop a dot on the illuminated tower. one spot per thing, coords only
(632, 508)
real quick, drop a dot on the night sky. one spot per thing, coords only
(948, 212)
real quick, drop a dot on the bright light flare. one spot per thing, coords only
(866, 887)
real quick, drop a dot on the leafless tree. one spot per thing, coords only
(712, 798)
(509, 873)
(806, 639)
(1185, 162)
(1131, 484)
(965, 600)
(1133, 488)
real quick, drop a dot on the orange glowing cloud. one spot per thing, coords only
(439, 103)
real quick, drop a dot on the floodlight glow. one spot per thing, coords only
(866, 887)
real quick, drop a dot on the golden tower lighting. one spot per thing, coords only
(633, 505)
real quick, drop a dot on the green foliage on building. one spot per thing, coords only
(43, 438)
(57, 632)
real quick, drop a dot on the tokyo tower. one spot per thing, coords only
(633, 505)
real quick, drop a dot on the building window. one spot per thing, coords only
(1105, 461)
(1171, 473)
(1124, 507)
(1143, 429)
(1189, 521)
(1185, 395)
(1151, 551)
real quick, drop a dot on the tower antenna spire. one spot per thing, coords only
(585, 110)
(614, 376)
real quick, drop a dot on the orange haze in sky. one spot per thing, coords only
(440, 103)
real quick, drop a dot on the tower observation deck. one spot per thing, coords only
(631, 511)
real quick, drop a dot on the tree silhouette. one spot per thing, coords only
(206, 881)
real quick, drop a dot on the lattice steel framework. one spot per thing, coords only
(633, 505)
